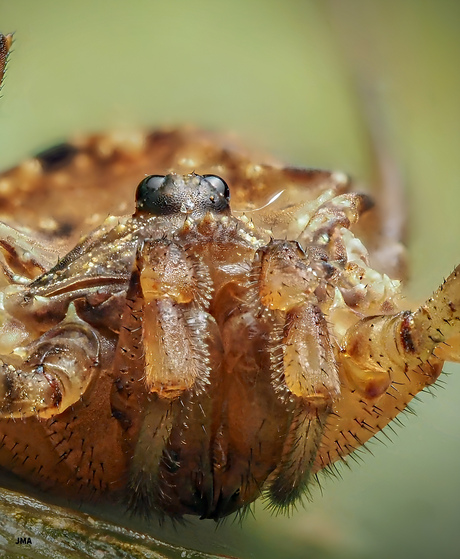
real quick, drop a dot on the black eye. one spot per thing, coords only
(147, 195)
(194, 195)
(219, 184)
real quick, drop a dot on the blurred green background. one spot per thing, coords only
(294, 78)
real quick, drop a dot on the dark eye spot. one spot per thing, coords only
(219, 185)
(149, 195)
(174, 194)
(57, 156)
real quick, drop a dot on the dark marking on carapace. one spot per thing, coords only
(57, 156)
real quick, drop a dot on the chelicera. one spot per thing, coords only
(222, 335)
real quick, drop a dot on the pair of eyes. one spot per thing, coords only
(162, 195)
(156, 182)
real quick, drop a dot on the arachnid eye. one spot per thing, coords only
(148, 196)
(191, 194)
(219, 184)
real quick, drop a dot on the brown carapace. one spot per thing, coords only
(222, 335)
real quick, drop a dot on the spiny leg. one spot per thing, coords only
(376, 346)
(385, 361)
(161, 355)
(129, 396)
(309, 372)
(5, 45)
(174, 322)
(304, 370)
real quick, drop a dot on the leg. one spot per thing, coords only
(161, 359)
(377, 345)
(308, 369)
(49, 375)
(385, 361)
(5, 45)
(303, 364)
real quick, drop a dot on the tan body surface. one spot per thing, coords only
(198, 347)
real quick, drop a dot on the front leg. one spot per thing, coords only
(376, 347)
(162, 363)
(384, 362)
(50, 374)
(303, 364)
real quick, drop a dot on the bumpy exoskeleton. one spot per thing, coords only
(197, 351)
(200, 353)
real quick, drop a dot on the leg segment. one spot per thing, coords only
(304, 370)
(307, 368)
(384, 362)
(174, 325)
(376, 346)
(50, 374)
(5, 45)
(161, 361)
